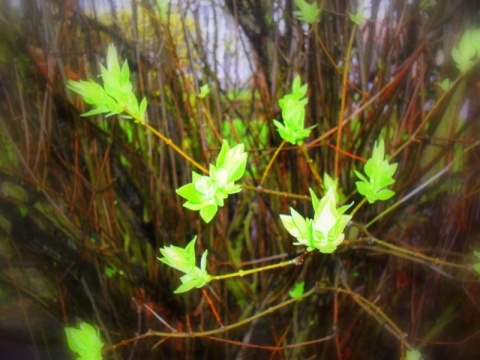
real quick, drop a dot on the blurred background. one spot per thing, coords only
(86, 202)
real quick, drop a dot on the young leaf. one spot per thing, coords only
(86, 342)
(195, 278)
(204, 90)
(177, 258)
(232, 160)
(462, 62)
(124, 78)
(163, 6)
(290, 225)
(465, 47)
(293, 113)
(307, 12)
(468, 49)
(184, 260)
(413, 355)
(328, 183)
(329, 223)
(142, 108)
(380, 174)
(208, 212)
(476, 267)
(315, 201)
(207, 193)
(327, 213)
(475, 40)
(325, 231)
(358, 17)
(236, 163)
(444, 84)
(190, 193)
(116, 95)
(112, 61)
(298, 290)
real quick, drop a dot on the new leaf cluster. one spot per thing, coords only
(380, 175)
(306, 12)
(85, 341)
(207, 193)
(465, 54)
(358, 17)
(468, 49)
(184, 260)
(293, 113)
(116, 95)
(325, 231)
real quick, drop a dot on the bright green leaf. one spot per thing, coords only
(189, 285)
(207, 193)
(233, 189)
(298, 219)
(315, 201)
(466, 47)
(306, 12)
(325, 231)
(99, 110)
(208, 212)
(475, 39)
(462, 63)
(476, 267)
(110, 272)
(380, 175)
(207, 187)
(384, 194)
(184, 260)
(124, 78)
(190, 193)
(358, 17)
(203, 261)
(222, 155)
(85, 341)
(293, 113)
(445, 84)
(175, 257)
(112, 60)
(163, 6)
(298, 290)
(289, 225)
(204, 90)
(116, 95)
(413, 355)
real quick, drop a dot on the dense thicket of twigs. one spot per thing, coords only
(86, 202)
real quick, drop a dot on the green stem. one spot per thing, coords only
(260, 189)
(315, 174)
(269, 166)
(168, 142)
(253, 271)
(360, 204)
